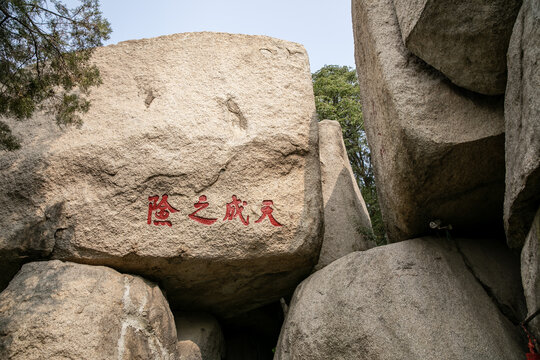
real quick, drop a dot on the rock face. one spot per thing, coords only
(196, 166)
(522, 117)
(411, 300)
(421, 128)
(347, 226)
(199, 337)
(530, 273)
(54, 310)
(465, 40)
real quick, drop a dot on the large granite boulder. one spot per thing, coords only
(199, 337)
(415, 299)
(347, 226)
(522, 118)
(57, 310)
(530, 273)
(465, 40)
(438, 151)
(197, 166)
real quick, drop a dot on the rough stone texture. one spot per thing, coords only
(497, 268)
(530, 273)
(185, 115)
(465, 40)
(522, 117)
(347, 226)
(411, 300)
(199, 337)
(57, 310)
(437, 150)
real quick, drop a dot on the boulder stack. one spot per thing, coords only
(437, 149)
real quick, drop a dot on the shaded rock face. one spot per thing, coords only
(246, 345)
(32, 241)
(497, 268)
(416, 299)
(254, 334)
(196, 166)
(530, 273)
(465, 40)
(347, 226)
(522, 117)
(199, 337)
(54, 310)
(437, 150)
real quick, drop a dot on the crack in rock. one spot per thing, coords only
(503, 309)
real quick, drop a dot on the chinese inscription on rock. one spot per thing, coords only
(161, 209)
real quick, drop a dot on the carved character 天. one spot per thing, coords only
(267, 212)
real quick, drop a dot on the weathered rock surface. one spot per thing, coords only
(57, 310)
(199, 117)
(199, 337)
(465, 40)
(437, 150)
(530, 273)
(522, 117)
(347, 226)
(411, 300)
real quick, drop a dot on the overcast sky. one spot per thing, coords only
(323, 27)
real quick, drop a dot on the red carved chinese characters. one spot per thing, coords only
(162, 209)
(267, 211)
(200, 205)
(234, 209)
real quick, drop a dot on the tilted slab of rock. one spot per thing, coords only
(530, 273)
(347, 226)
(465, 40)
(199, 337)
(415, 299)
(438, 151)
(522, 118)
(54, 310)
(181, 127)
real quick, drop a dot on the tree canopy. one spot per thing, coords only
(45, 50)
(337, 97)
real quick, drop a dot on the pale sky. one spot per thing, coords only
(323, 27)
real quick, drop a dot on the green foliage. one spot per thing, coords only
(45, 51)
(7, 140)
(337, 97)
